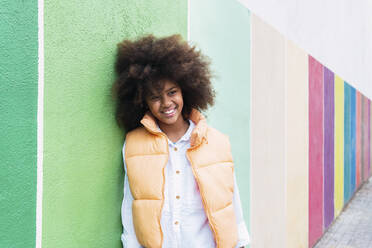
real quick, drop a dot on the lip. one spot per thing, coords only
(169, 113)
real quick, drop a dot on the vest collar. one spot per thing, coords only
(198, 134)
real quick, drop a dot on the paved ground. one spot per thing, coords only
(353, 228)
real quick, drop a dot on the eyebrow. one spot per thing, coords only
(174, 87)
(156, 94)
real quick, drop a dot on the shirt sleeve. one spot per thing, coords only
(128, 237)
(243, 236)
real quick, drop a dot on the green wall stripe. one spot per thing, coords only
(222, 32)
(83, 174)
(18, 122)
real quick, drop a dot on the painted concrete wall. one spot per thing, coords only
(337, 33)
(345, 114)
(268, 140)
(222, 32)
(280, 105)
(316, 145)
(18, 126)
(305, 127)
(339, 145)
(83, 174)
(329, 146)
(297, 148)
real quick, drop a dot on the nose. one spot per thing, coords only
(166, 101)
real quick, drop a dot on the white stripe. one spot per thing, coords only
(250, 122)
(286, 131)
(40, 125)
(188, 20)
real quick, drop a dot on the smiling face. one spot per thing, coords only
(166, 105)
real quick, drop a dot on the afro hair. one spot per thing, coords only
(141, 67)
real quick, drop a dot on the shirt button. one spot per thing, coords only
(175, 149)
(178, 197)
(177, 171)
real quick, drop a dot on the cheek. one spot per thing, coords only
(180, 100)
(154, 107)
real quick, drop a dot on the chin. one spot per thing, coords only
(170, 121)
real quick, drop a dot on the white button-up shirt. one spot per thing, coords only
(183, 219)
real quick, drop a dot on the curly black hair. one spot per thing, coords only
(142, 66)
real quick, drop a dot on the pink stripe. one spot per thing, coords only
(316, 101)
(358, 145)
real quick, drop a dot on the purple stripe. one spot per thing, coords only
(329, 109)
(369, 138)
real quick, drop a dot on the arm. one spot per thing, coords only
(243, 236)
(128, 237)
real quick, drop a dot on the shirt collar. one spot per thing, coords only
(187, 135)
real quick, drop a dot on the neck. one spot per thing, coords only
(176, 130)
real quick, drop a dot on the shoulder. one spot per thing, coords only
(218, 140)
(218, 144)
(134, 137)
(139, 131)
(141, 141)
(213, 133)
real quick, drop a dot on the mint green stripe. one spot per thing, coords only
(18, 122)
(83, 175)
(222, 31)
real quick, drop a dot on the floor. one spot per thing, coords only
(353, 228)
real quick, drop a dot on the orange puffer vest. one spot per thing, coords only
(146, 155)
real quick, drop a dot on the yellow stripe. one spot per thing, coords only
(339, 145)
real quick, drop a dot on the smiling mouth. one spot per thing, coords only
(169, 113)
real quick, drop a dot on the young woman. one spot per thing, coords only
(180, 188)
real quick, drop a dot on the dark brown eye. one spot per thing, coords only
(154, 98)
(172, 92)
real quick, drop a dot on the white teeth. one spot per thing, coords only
(169, 111)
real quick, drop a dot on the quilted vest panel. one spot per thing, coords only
(146, 156)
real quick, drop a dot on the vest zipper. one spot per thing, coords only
(162, 201)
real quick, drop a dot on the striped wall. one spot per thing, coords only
(300, 134)
(351, 135)
(75, 199)
(279, 140)
(303, 110)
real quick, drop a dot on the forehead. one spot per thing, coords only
(168, 84)
(163, 86)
